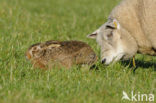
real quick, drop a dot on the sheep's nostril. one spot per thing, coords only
(103, 61)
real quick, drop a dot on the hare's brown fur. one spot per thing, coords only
(60, 53)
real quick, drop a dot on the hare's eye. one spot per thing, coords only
(33, 52)
(34, 48)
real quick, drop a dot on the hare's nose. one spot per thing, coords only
(28, 56)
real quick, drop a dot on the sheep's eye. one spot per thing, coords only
(110, 34)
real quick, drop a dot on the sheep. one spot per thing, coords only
(130, 29)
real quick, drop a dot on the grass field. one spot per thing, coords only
(24, 22)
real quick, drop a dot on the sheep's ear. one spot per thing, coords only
(116, 24)
(93, 35)
(113, 24)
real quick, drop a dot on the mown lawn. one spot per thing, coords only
(24, 22)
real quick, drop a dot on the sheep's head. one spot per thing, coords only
(115, 42)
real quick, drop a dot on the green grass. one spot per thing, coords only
(24, 22)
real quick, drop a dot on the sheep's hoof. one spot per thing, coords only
(134, 69)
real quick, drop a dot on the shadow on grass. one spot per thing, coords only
(94, 67)
(139, 63)
(129, 63)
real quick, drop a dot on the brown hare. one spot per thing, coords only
(61, 54)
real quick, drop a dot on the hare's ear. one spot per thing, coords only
(54, 45)
(93, 35)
